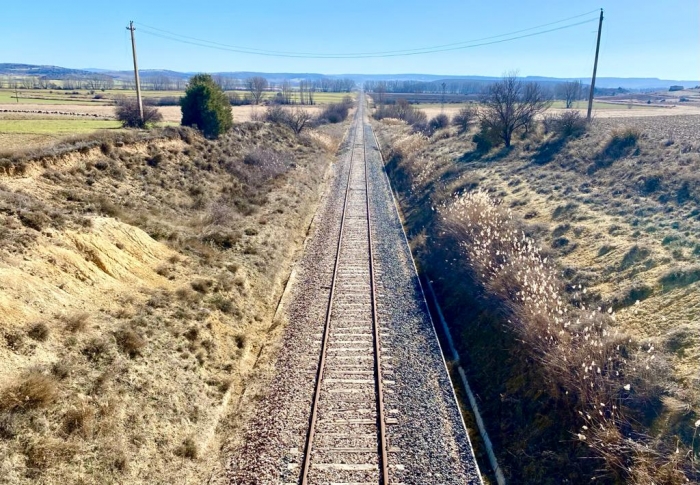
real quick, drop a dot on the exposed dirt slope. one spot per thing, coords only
(138, 279)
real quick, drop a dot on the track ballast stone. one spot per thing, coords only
(426, 438)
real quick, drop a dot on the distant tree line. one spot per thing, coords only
(229, 83)
(451, 87)
(291, 92)
(95, 83)
(569, 91)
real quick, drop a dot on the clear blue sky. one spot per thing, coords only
(641, 38)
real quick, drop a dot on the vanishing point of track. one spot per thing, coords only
(347, 427)
(359, 393)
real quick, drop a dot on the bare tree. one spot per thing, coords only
(380, 91)
(73, 82)
(286, 92)
(29, 82)
(310, 92)
(225, 82)
(510, 105)
(160, 82)
(229, 83)
(97, 82)
(570, 92)
(219, 80)
(93, 83)
(303, 86)
(256, 85)
(298, 119)
(180, 84)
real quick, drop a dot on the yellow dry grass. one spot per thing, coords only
(623, 226)
(116, 290)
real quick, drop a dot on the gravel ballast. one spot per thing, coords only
(426, 437)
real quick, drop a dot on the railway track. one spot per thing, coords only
(361, 394)
(346, 440)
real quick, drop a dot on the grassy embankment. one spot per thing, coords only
(140, 273)
(569, 270)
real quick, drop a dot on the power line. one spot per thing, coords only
(254, 50)
(224, 47)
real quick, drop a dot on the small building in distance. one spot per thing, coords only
(676, 88)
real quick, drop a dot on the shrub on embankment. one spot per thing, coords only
(601, 379)
(566, 398)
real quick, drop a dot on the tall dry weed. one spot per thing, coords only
(410, 144)
(608, 378)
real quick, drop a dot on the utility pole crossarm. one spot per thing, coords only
(136, 70)
(595, 67)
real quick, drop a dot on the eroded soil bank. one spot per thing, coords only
(139, 276)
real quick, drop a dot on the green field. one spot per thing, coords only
(46, 127)
(84, 97)
(32, 96)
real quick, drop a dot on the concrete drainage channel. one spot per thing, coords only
(498, 473)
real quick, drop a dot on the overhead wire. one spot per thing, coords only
(401, 53)
(375, 53)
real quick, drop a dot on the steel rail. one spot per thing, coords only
(382, 447)
(324, 345)
(383, 452)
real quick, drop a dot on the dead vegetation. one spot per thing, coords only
(33, 391)
(574, 262)
(140, 275)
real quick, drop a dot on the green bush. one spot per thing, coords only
(206, 107)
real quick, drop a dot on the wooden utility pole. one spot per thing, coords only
(595, 67)
(136, 70)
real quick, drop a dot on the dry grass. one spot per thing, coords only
(410, 144)
(130, 341)
(39, 331)
(612, 212)
(80, 420)
(107, 237)
(603, 373)
(33, 391)
(76, 322)
(188, 449)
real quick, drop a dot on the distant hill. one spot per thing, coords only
(52, 72)
(55, 72)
